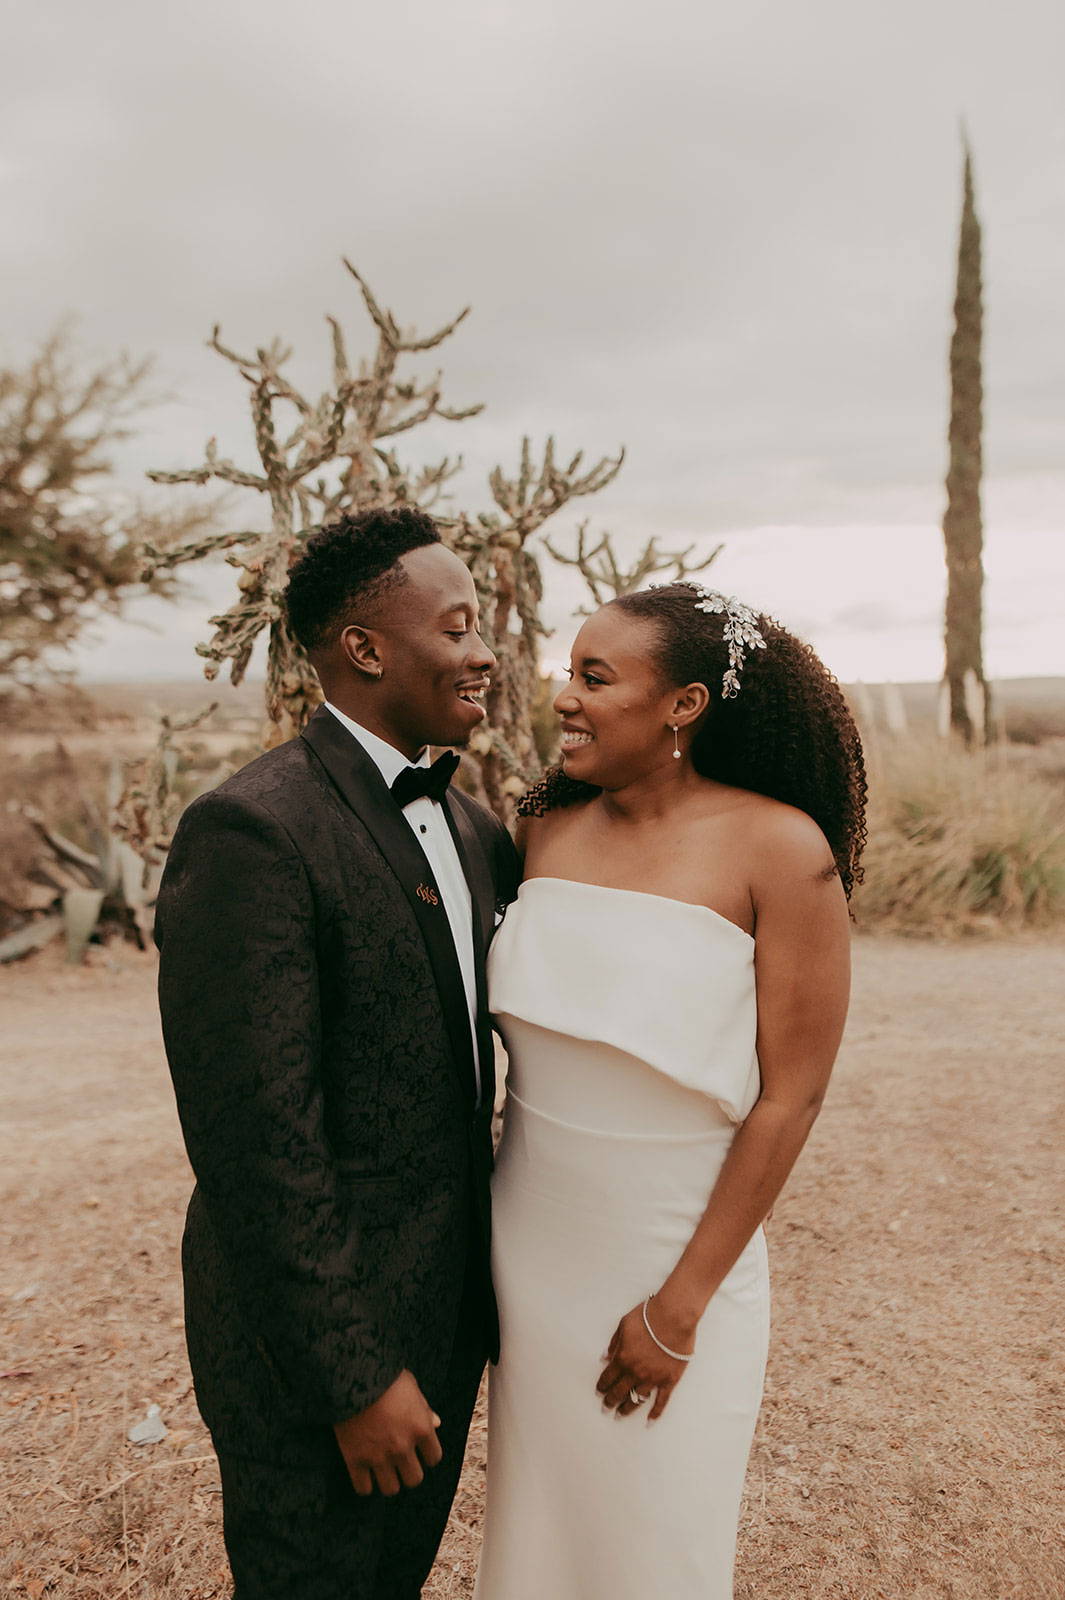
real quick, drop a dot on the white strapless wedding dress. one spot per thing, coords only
(629, 1021)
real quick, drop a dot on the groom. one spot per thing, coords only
(323, 924)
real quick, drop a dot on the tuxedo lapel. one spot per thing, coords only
(364, 790)
(475, 865)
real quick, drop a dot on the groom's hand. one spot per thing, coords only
(391, 1443)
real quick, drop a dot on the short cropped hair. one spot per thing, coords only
(347, 565)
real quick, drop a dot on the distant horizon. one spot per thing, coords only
(258, 681)
(869, 599)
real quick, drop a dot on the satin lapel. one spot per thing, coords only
(365, 791)
(475, 865)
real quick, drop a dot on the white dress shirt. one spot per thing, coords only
(428, 823)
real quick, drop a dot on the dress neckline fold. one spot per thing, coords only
(642, 894)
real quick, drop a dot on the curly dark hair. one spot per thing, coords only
(353, 560)
(788, 734)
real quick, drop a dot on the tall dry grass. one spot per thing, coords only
(961, 840)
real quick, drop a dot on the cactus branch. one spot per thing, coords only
(606, 578)
(338, 459)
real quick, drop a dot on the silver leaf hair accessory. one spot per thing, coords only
(740, 632)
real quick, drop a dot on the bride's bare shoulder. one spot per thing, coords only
(535, 833)
(785, 847)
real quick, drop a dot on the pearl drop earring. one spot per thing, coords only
(676, 743)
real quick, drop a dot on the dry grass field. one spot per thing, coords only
(910, 1444)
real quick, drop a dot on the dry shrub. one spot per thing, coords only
(71, 793)
(68, 787)
(72, 782)
(20, 851)
(961, 840)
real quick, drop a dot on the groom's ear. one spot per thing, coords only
(359, 646)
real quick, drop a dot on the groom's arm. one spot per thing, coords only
(506, 862)
(239, 996)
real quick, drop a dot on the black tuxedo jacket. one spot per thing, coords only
(318, 1035)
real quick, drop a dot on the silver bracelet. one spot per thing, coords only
(675, 1354)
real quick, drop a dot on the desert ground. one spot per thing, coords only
(910, 1443)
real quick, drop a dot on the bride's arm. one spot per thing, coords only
(802, 967)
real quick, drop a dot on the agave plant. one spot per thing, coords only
(116, 878)
(107, 880)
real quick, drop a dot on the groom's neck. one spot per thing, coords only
(370, 717)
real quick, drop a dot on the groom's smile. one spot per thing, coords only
(475, 694)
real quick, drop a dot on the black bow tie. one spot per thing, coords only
(414, 782)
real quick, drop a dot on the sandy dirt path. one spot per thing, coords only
(911, 1439)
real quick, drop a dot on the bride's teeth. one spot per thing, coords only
(577, 738)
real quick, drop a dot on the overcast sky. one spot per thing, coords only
(721, 235)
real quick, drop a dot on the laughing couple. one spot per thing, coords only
(664, 952)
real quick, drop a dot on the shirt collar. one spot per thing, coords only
(389, 761)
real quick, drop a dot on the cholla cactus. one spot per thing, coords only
(510, 586)
(146, 811)
(606, 579)
(334, 458)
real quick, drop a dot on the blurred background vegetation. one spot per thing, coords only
(960, 840)
(967, 779)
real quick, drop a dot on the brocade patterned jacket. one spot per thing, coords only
(318, 1036)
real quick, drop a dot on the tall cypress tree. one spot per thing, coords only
(963, 533)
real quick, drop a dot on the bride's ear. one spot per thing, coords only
(689, 704)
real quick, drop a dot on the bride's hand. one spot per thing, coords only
(634, 1361)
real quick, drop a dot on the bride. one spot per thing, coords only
(671, 985)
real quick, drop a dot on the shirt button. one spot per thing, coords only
(421, 827)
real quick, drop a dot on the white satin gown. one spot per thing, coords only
(629, 1021)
